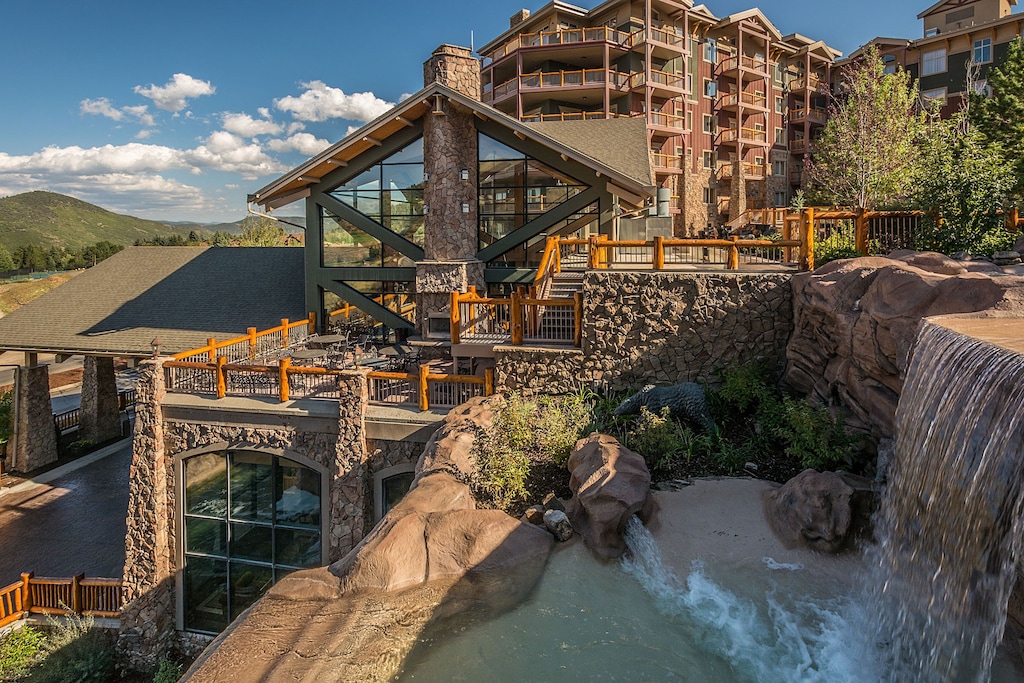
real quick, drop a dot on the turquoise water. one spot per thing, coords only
(638, 621)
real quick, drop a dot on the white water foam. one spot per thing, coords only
(772, 564)
(792, 639)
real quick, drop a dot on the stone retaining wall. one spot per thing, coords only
(533, 370)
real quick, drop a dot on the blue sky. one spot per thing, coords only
(177, 110)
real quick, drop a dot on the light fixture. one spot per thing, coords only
(156, 344)
(426, 208)
(465, 207)
(464, 174)
(426, 176)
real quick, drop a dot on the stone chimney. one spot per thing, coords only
(454, 67)
(518, 18)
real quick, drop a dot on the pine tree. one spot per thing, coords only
(1000, 118)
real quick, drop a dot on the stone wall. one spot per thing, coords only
(36, 438)
(100, 418)
(670, 327)
(532, 370)
(455, 67)
(696, 213)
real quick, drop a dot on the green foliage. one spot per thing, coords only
(167, 672)
(966, 182)
(6, 416)
(258, 231)
(523, 430)
(6, 260)
(76, 652)
(811, 434)
(745, 387)
(657, 437)
(838, 244)
(866, 154)
(1000, 118)
(18, 649)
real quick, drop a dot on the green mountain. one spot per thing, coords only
(48, 219)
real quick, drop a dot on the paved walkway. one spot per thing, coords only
(74, 523)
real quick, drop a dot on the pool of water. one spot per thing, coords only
(759, 620)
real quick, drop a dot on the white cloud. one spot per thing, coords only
(247, 126)
(175, 94)
(264, 112)
(140, 113)
(295, 127)
(224, 151)
(404, 96)
(144, 133)
(305, 143)
(321, 102)
(351, 129)
(131, 158)
(101, 106)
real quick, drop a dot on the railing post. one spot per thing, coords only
(787, 234)
(282, 379)
(557, 255)
(26, 593)
(861, 232)
(312, 323)
(284, 333)
(807, 239)
(659, 252)
(577, 309)
(252, 342)
(212, 353)
(76, 593)
(516, 313)
(592, 252)
(423, 396)
(603, 258)
(734, 255)
(222, 380)
(488, 381)
(453, 319)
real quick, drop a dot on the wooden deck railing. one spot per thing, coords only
(62, 596)
(487, 320)
(253, 344)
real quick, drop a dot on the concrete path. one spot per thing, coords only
(68, 520)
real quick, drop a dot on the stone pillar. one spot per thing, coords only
(147, 629)
(35, 435)
(738, 197)
(348, 480)
(99, 416)
(450, 162)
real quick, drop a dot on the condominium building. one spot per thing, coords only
(956, 33)
(730, 103)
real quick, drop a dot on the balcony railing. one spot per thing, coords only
(562, 37)
(754, 99)
(517, 319)
(569, 116)
(666, 120)
(813, 115)
(726, 169)
(798, 145)
(795, 177)
(677, 81)
(667, 161)
(748, 135)
(670, 36)
(805, 83)
(76, 595)
(746, 62)
(570, 79)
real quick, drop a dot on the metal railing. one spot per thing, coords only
(70, 419)
(60, 596)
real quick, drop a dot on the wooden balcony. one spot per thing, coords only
(746, 136)
(667, 163)
(814, 116)
(798, 146)
(751, 171)
(746, 99)
(576, 36)
(570, 116)
(796, 177)
(673, 124)
(812, 82)
(745, 67)
(582, 78)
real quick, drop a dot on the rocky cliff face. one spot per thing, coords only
(856, 320)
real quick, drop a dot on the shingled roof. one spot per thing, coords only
(620, 143)
(184, 295)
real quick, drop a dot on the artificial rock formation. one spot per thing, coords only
(812, 509)
(432, 556)
(610, 484)
(856, 321)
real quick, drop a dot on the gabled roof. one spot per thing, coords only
(704, 13)
(620, 142)
(535, 17)
(801, 42)
(184, 295)
(295, 184)
(881, 42)
(753, 13)
(941, 3)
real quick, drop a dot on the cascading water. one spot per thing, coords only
(950, 525)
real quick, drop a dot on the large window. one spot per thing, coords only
(389, 193)
(983, 51)
(933, 62)
(514, 189)
(711, 51)
(345, 245)
(249, 519)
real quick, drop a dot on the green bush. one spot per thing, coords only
(813, 435)
(6, 418)
(18, 649)
(167, 672)
(76, 652)
(658, 438)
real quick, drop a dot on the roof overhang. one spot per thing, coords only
(296, 184)
(754, 14)
(941, 3)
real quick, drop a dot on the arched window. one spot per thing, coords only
(249, 518)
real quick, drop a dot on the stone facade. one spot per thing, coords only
(450, 147)
(670, 327)
(100, 419)
(533, 370)
(697, 214)
(454, 67)
(436, 280)
(36, 439)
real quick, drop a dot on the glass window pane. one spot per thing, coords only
(367, 180)
(493, 228)
(206, 602)
(299, 500)
(411, 154)
(252, 542)
(409, 227)
(501, 173)
(252, 493)
(345, 245)
(365, 202)
(490, 149)
(396, 259)
(206, 488)
(248, 583)
(402, 176)
(298, 548)
(395, 489)
(206, 536)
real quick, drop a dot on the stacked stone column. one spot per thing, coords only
(35, 443)
(100, 416)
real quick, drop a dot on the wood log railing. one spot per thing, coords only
(489, 320)
(60, 596)
(252, 344)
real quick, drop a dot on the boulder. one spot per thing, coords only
(813, 509)
(448, 450)
(534, 515)
(557, 522)
(610, 484)
(856, 320)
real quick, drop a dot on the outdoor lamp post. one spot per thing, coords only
(156, 344)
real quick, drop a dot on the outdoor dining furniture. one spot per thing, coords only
(308, 355)
(324, 341)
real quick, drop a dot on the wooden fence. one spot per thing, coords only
(62, 596)
(518, 318)
(253, 344)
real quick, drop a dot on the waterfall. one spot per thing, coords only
(949, 529)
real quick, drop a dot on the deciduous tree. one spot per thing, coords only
(259, 231)
(866, 155)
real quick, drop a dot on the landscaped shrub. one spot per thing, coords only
(658, 438)
(167, 672)
(75, 652)
(18, 649)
